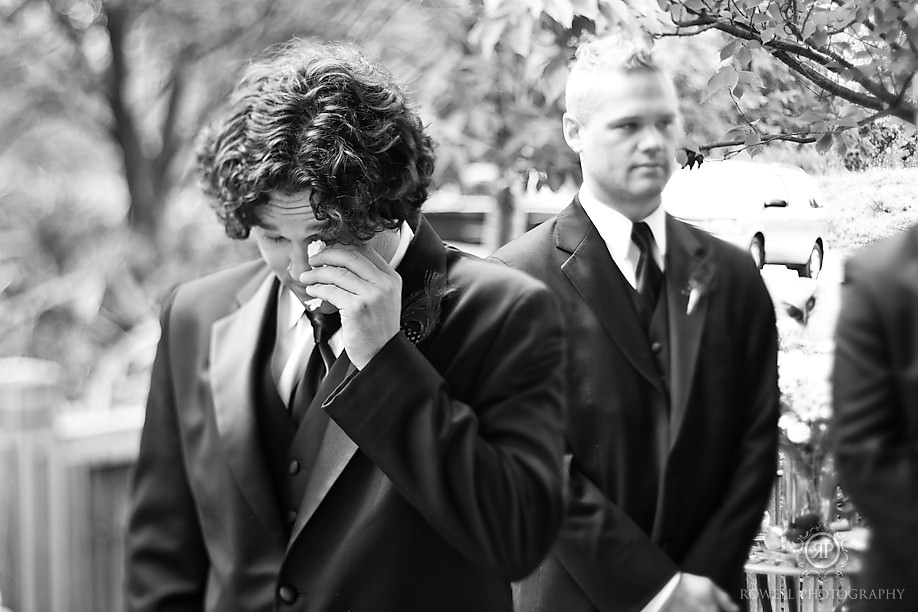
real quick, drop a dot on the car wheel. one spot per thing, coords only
(813, 265)
(757, 250)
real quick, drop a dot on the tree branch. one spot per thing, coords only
(800, 137)
(785, 52)
(169, 136)
(87, 78)
(896, 106)
(9, 17)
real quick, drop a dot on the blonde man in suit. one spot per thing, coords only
(672, 392)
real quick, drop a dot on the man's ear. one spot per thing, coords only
(572, 129)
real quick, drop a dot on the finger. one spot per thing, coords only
(724, 602)
(334, 275)
(353, 258)
(373, 256)
(336, 296)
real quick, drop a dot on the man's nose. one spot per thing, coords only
(652, 137)
(299, 262)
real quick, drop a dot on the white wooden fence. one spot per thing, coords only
(64, 478)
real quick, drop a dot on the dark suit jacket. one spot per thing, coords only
(639, 509)
(438, 482)
(875, 423)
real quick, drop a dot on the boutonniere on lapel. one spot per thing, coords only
(700, 283)
(421, 310)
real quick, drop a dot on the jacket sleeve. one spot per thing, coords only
(739, 515)
(597, 534)
(487, 476)
(870, 434)
(166, 562)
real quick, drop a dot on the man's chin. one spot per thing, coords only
(649, 189)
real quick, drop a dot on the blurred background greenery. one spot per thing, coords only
(100, 101)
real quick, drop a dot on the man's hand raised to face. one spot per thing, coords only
(365, 289)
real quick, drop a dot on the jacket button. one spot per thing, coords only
(293, 468)
(291, 517)
(655, 347)
(287, 594)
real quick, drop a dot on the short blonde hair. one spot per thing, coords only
(622, 52)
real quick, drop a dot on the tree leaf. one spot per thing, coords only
(752, 139)
(768, 34)
(743, 56)
(750, 79)
(849, 122)
(730, 49)
(519, 36)
(586, 8)
(820, 38)
(562, 11)
(486, 34)
(841, 146)
(824, 143)
(681, 157)
(734, 133)
(725, 78)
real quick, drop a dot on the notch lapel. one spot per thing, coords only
(596, 277)
(686, 262)
(335, 452)
(424, 261)
(233, 351)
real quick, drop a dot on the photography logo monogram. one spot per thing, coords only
(822, 554)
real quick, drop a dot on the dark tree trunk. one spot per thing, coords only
(145, 209)
(505, 207)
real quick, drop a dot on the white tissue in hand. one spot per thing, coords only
(312, 249)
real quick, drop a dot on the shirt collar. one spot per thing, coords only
(290, 310)
(615, 228)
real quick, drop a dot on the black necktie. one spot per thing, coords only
(648, 273)
(320, 361)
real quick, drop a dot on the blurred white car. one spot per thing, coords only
(776, 211)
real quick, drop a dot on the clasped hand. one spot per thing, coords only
(365, 289)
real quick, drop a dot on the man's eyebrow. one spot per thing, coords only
(639, 117)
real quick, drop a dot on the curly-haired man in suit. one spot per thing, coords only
(363, 419)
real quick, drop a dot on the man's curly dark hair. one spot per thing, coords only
(322, 118)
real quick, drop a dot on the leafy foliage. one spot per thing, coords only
(881, 144)
(99, 104)
(802, 71)
(858, 58)
(100, 101)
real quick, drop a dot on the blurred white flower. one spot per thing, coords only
(798, 432)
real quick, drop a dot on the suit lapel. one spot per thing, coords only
(596, 277)
(686, 267)
(334, 454)
(424, 260)
(233, 350)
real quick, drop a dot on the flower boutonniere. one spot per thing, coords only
(700, 283)
(421, 310)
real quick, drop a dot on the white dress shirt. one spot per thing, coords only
(294, 340)
(615, 230)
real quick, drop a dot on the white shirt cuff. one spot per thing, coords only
(663, 596)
